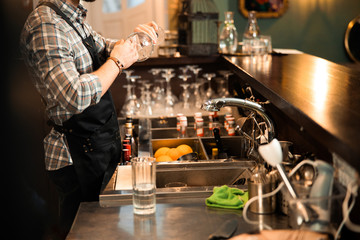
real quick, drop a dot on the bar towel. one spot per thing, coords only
(226, 197)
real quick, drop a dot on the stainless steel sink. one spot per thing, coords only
(203, 173)
(199, 177)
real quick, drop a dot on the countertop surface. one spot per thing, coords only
(174, 219)
(321, 96)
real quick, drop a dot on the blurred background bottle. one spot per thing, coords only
(228, 38)
(251, 36)
(252, 29)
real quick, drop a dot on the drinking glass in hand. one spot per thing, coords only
(145, 44)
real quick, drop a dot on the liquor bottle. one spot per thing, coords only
(129, 134)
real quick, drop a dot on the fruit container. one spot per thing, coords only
(194, 143)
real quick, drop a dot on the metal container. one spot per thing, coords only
(262, 205)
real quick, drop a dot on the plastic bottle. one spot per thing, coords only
(226, 120)
(183, 126)
(197, 115)
(228, 41)
(231, 126)
(199, 126)
(178, 116)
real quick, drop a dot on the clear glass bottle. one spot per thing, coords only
(252, 29)
(251, 35)
(228, 38)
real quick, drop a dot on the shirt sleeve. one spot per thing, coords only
(104, 44)
(54, 60)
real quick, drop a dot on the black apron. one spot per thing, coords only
(93, 136)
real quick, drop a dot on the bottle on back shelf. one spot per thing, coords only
(178, 116)
(199, 122)
(196, 115)
(183, 126)
(126, 151)
(226, 122)
(129, 134)
(228, 38)
(231, 126)
(214, 153)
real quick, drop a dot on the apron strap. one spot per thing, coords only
(88, 42)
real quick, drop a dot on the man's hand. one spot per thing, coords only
(126, 52)
(148, 28)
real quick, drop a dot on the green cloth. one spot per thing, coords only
(226, 197)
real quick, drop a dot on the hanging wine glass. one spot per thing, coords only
(196, 71)
(128, 73)
(147, 106)
(186, 97)
(170, 99)
(209, 92)
(131, 105)
(183, 70)
(185, 78)
(224, 88)
(168, 75)
(142, 90)
(197, 97)
(159, 97)
(225, 74)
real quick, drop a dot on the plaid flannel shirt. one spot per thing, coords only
(61, 68)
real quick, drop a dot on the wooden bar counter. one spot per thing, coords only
(321, 97)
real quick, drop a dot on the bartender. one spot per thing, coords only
(73, 68)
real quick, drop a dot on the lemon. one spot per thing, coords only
(161, 151)
(174, 153)
(184, 149)
(164, 158)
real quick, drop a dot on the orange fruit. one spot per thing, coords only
(184, 149)
(174, 153)
(161, 151)
(164, 158)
